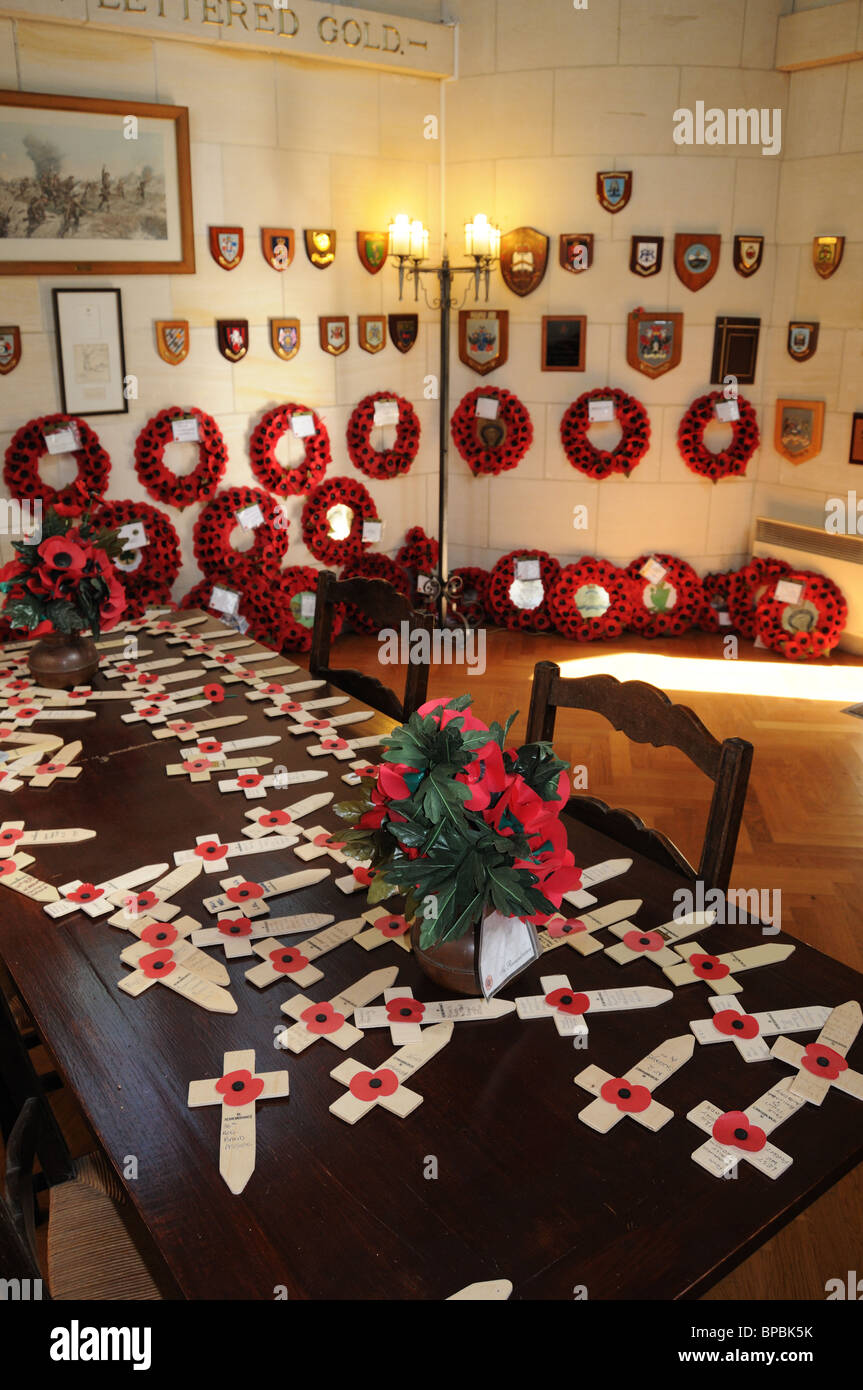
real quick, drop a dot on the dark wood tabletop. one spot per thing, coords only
(524, 1190)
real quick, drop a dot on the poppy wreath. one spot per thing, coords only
(729, 462)
(296, 627)
(288, 482)
(504, 610)
(383, 463)
(158, 480)
(314, 520)
(717, 591)
(212, 536)
(158, 562)
(670, 607)
(374, 567)
(578, 605)
(810, 627)
(519, 432)
(260, 608)
(419, 555)
(26, 448)
(747, 588)
(633, 444)
(471, 603)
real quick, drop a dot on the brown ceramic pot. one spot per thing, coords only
(61, 660)
(451, 965)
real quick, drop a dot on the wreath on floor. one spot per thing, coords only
(492, 446)
(592, 599)
(27, 446)
(419, 556)
(729, 462)
(315, 528)
(535, 592)
(374, 567)
(717, 594)
(297, 626)
(260, 612)
(383, 463)
(672, 604)
(159, 481)
(288, 482)
(471, 602)
(748, 586)
(152, 569)
(809, 627)
(212, 536)
(630, 448)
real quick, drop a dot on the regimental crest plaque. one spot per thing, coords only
(335, 334)
(321, 247)
(10, 349)
(277, 244)
(233, 338)
(799, 429)
(576, 251)
(827, 254)
(802, 340)
(696, 258)
(654, 341)
(285, 337)
(523, 259)
(172, 340)
(483, 338)
(226, 246)
(645, 255)
(735, 350)
(372, 248)
(403, 330)
(372, 332)
(614, 190)
(748, 251)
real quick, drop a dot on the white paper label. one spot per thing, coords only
(506, 946)
(303, 424)
(250, 517)
(487, 407)
(788, 591)
(527, 569)
(185, 431)
(724, 617)
(598, 411)
(386, 412)
(307, 605)
(727, 411)
(235, 621)
(62, 441)
(225, 600)
(760, 643)
(423, 584)
(372, 530)
(652, 571)
(133, 535)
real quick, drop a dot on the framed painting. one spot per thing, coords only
(563, 342)
(90, 356)
(799, 429)
(855, 454)
(94, 187)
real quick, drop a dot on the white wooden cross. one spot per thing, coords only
(577, 932)
(265, 820)
(156, 711)
(590, 877)
(255, 785)
(236, 934)
(385, 1086)
(24, 716)
(288, 692)
(155, 622)
(319, 726)
(61, 765)
(358, 880)
(94, 898)
(655, 945)
(278, 960)
(182, 968)
(330, 1020)
(736, 1134)
(358, 768)
(153, 902)
(822, 1064)
(184, 731)
(731, 1023)
(214, 853)
(211, 636)
(341, 748)
(405, 1016)
(237, 1090)
(632, 1094)
(320, 841)
(148, 682)
(251, 897)
(133, 669)
(568, 1006)
(13, 832)
(295, 707)
(199, 767)
(12, 773)
(12, 876)
(715, 971)
(228, 661)
(383, 927)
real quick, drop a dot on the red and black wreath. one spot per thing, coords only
(219, 518)
(158, 480)
(27, 446)
(335, 540)
(471, 602)
(288, 482)
(808, 627)
(383, 463)
(260, 612)
(717, 591)
(151, 570)
(630, 448)
(492, 446)
(522, 602)
(419, 556)
(298, 618)
(374, 567)
(670, 604)
(748, 586)
(729, 462)
(592, 599)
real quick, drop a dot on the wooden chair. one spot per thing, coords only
(380, 601)
(647, 715)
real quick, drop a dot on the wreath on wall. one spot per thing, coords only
(748, 586)
(260, 612)
(492, 446)
(218, 519)
(526, 606)
(670, 604)
(328, 549)
(592, 599)
(471, 602)
(297, 624)
(148, 576)
(383, 463)
(374, 567)
(27, 446)
(159, 481)
(630, 448)
(808, 627)
(288, 482)
(717, 594)
(729, 462)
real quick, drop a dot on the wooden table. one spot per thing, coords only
(523, 1189)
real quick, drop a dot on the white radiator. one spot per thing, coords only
(807, 547)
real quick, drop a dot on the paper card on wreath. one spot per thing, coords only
(405, 1016)
(383, 927)
(237, 1090)
(715, 971)
(182, 968)
(738, 1134)
(577, 932)
(95, 898)
(236, 933)
(266, 821)
(731, 1023)
(822, 1064)
(278, 960)
(632, 1094)
(385, 1087)
(655, 945)
(568, 1006)
(330, 1020)
(506, 946)
(250, 897)
(214, 854)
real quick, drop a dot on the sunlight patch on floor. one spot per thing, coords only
(783, 680)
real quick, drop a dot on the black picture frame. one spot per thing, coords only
(735, 350)
(855, 449)
(73, 396)
(564, 342)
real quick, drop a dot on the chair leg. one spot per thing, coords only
(18, 1082)
(541, 714)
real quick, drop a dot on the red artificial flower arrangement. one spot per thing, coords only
(462, 825)
(383, 463)
(65, 581)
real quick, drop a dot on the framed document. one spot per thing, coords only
(90, 357)
(564, 338)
